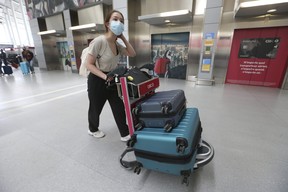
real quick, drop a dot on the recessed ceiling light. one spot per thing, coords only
(90, 25)
(271, 10)
(174, 13)
(46, 32)
(261, 3)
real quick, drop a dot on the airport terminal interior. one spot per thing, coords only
(229, 57)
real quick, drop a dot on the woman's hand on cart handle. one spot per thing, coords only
(109, 78)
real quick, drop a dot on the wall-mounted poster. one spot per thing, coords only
(259, 48)
(207, 50)
(64, 55)
(170, 54)
(258, 57)
(206, 65)
(208, 43)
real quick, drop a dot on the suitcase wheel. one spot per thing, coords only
(186, 174)
(168, 127)
(131, 142)
(138, 168)
(182, 144)
(135, 111)
(166, 108)
(180, 148)
(139, 125)
(185, 181)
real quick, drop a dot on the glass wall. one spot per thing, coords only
(14, 24)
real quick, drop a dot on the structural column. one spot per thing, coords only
(34, 26)
(70, 39)
(212, 21)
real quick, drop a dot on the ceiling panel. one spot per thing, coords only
(281, 9)
(179, 16)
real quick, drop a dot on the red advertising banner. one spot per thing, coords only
(258, 57)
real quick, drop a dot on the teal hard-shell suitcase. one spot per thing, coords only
(178, 152)
(24, 67)
(173, 152)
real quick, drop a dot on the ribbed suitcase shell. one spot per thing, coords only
(157, 150)
(161, 108)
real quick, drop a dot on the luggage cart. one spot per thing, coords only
(205, 152)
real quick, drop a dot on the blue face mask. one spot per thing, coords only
(116, 27)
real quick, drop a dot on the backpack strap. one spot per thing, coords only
(102, 49)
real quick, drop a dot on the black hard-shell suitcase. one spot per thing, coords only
(162, 109)
(7, 70)
(178, 152)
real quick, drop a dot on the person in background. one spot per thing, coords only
(2, 59)
(103, 55)
(28, 56)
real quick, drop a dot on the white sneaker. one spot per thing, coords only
(126, 138)
(97, 134)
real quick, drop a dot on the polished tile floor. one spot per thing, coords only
(44, 145)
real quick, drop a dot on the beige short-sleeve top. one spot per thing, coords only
(99, 48)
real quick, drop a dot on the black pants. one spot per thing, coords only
(1, 72)
(98, 94)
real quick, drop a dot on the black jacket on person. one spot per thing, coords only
(3, 57)
(28, 55)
